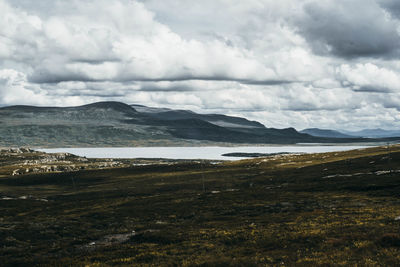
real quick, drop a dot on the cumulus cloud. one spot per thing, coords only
(112, 40)
(349, 29)
(15, 89)
(304, 64)
(369, 78)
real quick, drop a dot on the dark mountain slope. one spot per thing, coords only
(103, 111)
(325, 133)
(118, 124)
(217, 119)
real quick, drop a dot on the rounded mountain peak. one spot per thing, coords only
(111, 105)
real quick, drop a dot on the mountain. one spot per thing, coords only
(217, 119)
(118, 124)
(366, 133)
(374, 133)
(326, 133)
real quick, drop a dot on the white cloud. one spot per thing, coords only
(13, 88)
(369, 77)
(109, 40)
(304, 64)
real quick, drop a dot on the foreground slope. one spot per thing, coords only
(319, 209)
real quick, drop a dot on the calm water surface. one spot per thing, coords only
(210, 153)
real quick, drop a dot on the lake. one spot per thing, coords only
(210, 153)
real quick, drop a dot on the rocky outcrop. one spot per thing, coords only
(17, 172)
(56, 162)
(18, 150)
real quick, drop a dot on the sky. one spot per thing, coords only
(288, 63)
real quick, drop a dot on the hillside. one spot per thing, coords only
(326, 133)
(283, 210)
(374, 133)
(105, 124)
(118, 124)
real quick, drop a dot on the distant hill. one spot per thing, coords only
(326, 133)
(118, 124)
(217, 119)
(374, 133)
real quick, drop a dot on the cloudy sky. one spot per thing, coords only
(287, 63)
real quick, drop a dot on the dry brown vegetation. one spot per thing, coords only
(305, 210)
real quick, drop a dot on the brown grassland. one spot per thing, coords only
(325, 209)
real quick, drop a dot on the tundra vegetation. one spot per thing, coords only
(340, 208)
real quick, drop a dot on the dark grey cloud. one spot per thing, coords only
(371, 89)
(349, 29)
(46, 7)
(392, 105)
(89, 93)
(307, 106)
(392, 6)
(265, 82)
(389, 101)
(154, 87)
(46, 77)
(42, 5)
(185, 85)
(206, 78)
(98, 61)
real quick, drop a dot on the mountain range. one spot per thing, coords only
(374, 133)
(325, 133)
(366, 133)
(119, 124)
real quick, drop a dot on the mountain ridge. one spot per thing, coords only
(364, 133)
(317, 132)
(118, 124)
(374, 133)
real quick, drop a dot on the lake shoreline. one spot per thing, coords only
(195, 153)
